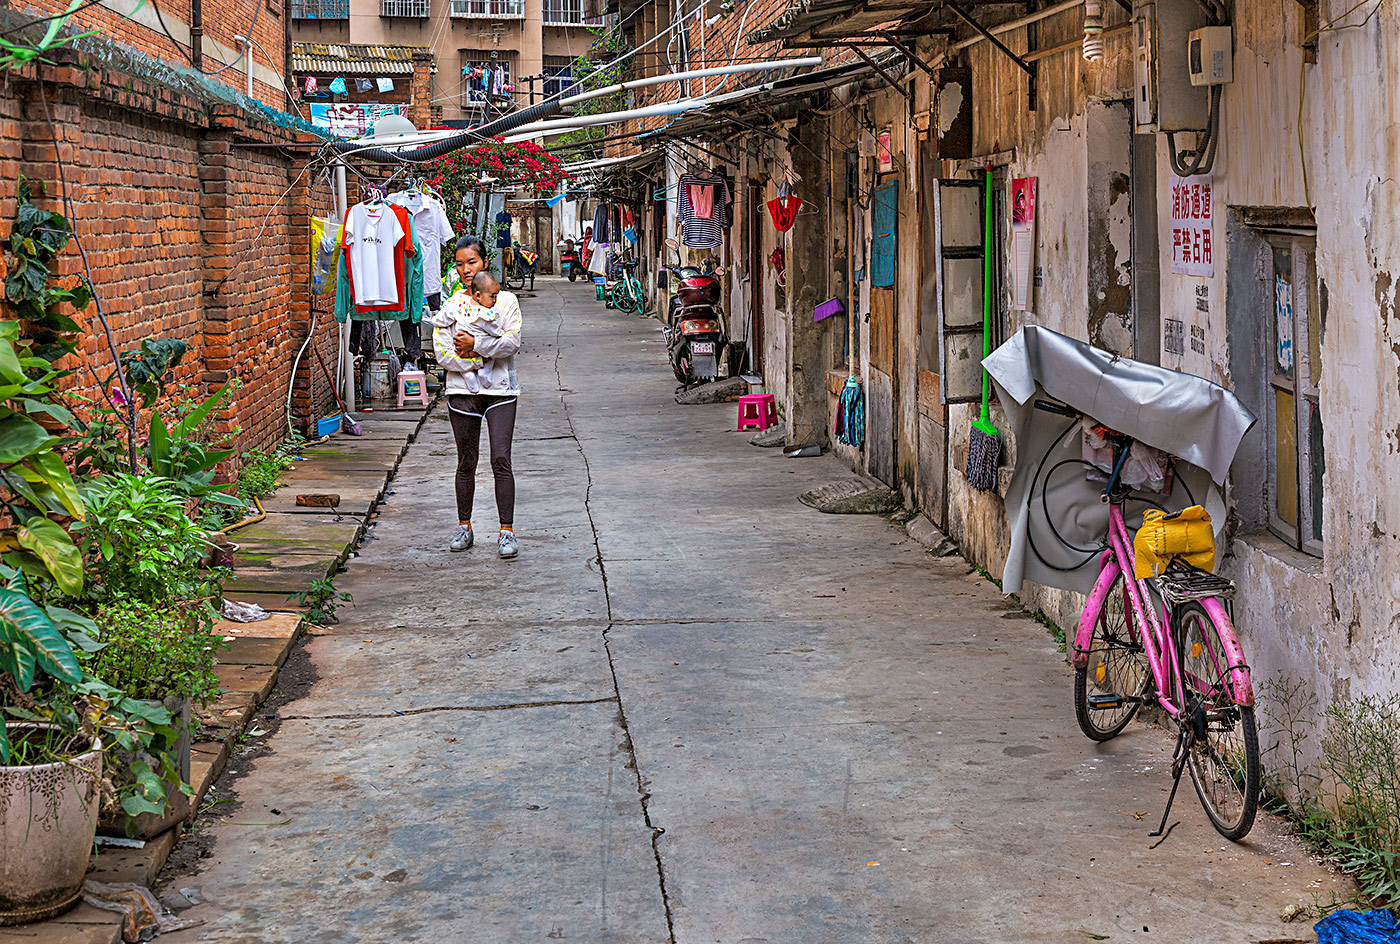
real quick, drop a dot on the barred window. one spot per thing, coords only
(320, 9)
(418, 8)
(488, 9)
(569, 13)
(477, 90)
(558, 74)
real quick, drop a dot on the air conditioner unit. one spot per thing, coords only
(1210, 56)
(1164, 96)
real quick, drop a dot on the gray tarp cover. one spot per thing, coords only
(1199, 422)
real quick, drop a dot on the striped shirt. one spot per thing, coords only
(698, 233)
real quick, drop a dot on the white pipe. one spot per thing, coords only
(538, 128)
(695, 74)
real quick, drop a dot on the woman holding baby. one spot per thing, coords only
(475, 337)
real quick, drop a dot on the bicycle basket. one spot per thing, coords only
(1187, 535)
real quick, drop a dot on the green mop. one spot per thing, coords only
(983, 447)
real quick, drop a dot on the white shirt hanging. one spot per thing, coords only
(371, 233)
(433, 229)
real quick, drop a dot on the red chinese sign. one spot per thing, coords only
(1192, 208)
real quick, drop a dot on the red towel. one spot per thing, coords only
(784, 210)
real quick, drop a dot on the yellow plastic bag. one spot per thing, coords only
(1186, 534)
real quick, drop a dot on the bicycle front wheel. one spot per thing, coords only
(1117, 667)
(1224, 758)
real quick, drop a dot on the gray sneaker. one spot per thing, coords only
(462, 538)
(508, 545)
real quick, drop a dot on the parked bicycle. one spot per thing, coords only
(518, 267)
(625, 294)
(1167, 640)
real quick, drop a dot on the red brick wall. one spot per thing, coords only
(223, 19)
(177, 205)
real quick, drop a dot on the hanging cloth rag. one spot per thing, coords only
(311, 85)
(384, 85)
(779, 263)
(337, 86)
(784, 211)
(363, 85)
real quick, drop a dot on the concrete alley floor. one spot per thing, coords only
(694, 710)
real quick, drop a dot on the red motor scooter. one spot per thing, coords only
(568, 260)
(695, 332)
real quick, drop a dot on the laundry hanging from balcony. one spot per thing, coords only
(703, 208)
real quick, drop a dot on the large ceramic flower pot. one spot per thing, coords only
(48, 814)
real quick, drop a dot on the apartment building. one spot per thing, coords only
(489, 56)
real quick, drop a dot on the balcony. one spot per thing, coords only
(405, 8)
(320, 9)
(570, 13)
(488, 9)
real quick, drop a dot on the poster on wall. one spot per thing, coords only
(1192, 209)
(350, 119)
(884, 154)
(1022, 240)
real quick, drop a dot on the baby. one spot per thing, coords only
(480, 320)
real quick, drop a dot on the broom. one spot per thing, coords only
(983, 447)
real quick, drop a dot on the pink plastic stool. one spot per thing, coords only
(764, 413)
(413, 385)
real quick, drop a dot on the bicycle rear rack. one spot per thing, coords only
(1180, 586)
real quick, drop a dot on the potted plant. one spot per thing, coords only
(163, 655)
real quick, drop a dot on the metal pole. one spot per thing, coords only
(347, 366)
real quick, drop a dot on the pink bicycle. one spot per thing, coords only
(1168, 640)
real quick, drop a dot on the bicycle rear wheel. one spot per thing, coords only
(1224, 758)
(1117, 666)
(622, 299)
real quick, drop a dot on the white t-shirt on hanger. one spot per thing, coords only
(432, 228)
(372, 232)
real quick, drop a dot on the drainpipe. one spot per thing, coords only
(197, 34)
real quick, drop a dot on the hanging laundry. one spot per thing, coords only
(498, 80)
(371, 233)
(325, 254)
(408, 267)
(703, 232)
(779, 263)
(337, 86)
(600, 223)
(432, 228)
(629, 234)
(311, 85)
(363, 85)
(503, 224)
(784, 211)
(384, 85)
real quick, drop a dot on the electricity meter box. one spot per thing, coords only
(1210, 56)
(1165, 97)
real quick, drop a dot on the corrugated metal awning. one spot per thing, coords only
(328, 58)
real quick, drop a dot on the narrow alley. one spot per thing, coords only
(694, 710)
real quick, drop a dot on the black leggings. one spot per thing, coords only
(466, 412)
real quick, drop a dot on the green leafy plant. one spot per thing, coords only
(13, 55)
(35, 238)
(148, 368)
(155, 651)
(177, 454)
(260, 473)
(140, 544)
(1346, 803)
(321, 600)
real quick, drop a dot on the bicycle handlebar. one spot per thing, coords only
(1111, 486)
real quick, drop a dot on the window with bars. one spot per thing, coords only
(320, 9)
(558, 74)
(479, 79)
(488, 9)
(569, 13)
(415, 8)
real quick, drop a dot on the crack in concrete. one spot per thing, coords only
(643, 796)
(424, 711)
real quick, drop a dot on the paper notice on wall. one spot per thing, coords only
(1022, 241)
(1283, 325)
(1192, 211)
